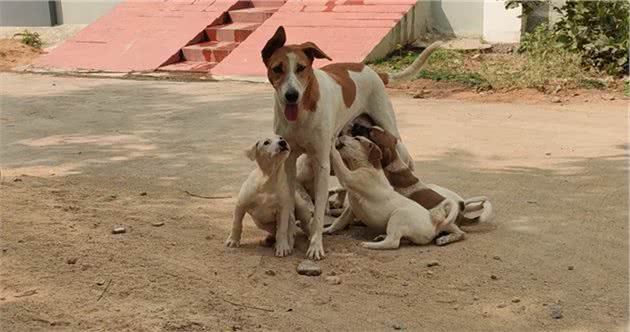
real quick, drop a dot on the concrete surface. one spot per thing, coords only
(80, 156)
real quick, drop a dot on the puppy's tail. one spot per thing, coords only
(475, 204)
(414, 68)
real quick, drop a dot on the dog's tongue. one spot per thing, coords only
(291, 112)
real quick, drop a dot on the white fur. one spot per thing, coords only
(379, 206)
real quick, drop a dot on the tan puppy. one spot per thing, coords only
(263, 194)
(357, 165)
(431, 196)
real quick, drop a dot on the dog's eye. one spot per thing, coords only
(266, 142)
(299, 68)
(277, 69)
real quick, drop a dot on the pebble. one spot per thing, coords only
(100, 282)
(309, 268)
(496, 258)
(433, 263)
(418, 95)
(475, 298)
(548, 154)
(17, 180)
(429, 272)
(556, 311)
(333, 280)
(556, 100)
(502, 305)
(398, 326)
(119, 230)
(570, 267)
(72, 260)
(144, 193)
(493, 277)
(516, 300)
(270, 273)
(157, 223)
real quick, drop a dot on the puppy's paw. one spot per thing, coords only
(282, 249)
(329, 230)
(442, 240)
(232, 242)
(366, 245)
(379, 238)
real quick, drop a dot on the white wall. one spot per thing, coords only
(500, 25)
(461, 18)
(82, 12)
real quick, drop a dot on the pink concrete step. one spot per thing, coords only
(212, 51)
(252, 15)
(235, 32)
(267, 3)
(189, 66)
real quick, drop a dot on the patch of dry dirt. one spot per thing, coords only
(13, 53)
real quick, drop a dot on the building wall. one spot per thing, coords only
(501, 25)
(461, 18)
(25, 13)
(82, 12)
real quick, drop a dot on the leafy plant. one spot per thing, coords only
(30, 38)
(596, 29)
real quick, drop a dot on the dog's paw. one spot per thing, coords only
(282, 249)
(232, 243)
(329, 230)
(315, 252)
(379, 238)
(442, 240)
(366, 245)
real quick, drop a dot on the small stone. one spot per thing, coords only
(72, 260)
(418, 95)
(333, 280)
(516, 300)
(497, 258)
(548, 154)
(429, 273)
(157, 224)
(270, 273)
(475, 298)
(494, 277)
(100, 282)
(17, 180)
(398, 326)
(309, 268)
(556, 311)
(119, 230)
(236, 328)
(556, 100)
(570, 267)
(144, 193)
(501, 305)
(433, 263)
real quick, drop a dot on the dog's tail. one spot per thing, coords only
(475, 204)
(414, 68)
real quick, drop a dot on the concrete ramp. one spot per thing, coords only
(347, 30)
(137, 35)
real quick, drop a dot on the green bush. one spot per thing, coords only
(30, 38)
(598, 30)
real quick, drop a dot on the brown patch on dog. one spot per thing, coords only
(374, 153)
(428, 198)
(401, 179)
(387, 142)
(384, 77)
(340, 72)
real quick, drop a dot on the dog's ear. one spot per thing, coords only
(382, 138)
(374, 153)
(276, 42)
(252, 152)
(313, 52)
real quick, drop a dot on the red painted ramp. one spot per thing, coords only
(137, 35)
(347, 30)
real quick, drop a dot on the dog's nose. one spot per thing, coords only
(292, 96)
(283, 144)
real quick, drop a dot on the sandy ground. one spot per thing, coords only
(51, 36)
(80, 156)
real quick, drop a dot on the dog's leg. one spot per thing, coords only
(234, 240)
(316, 246)
(391, 241)
(455, 234)
(341, 222)
(283, 247)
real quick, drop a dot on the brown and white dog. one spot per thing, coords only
(312, 105)
(357, 164)
(432, 197)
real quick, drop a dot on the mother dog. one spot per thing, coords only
(312, 105)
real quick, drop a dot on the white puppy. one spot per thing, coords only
(263, 194)
(357, 165)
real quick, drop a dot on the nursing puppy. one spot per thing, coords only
(263, 194)
(431, 197)
(357, 164)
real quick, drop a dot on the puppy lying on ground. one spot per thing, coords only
(264, 192)
(431, 196)
(357, 164)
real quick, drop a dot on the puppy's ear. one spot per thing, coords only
(276, 42)
(313, 51)
(382, 138)
(252, 152)
(374, 154)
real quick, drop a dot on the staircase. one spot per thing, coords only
(217, 41)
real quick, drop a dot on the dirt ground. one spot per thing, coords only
(14, 54)
(80, 156)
